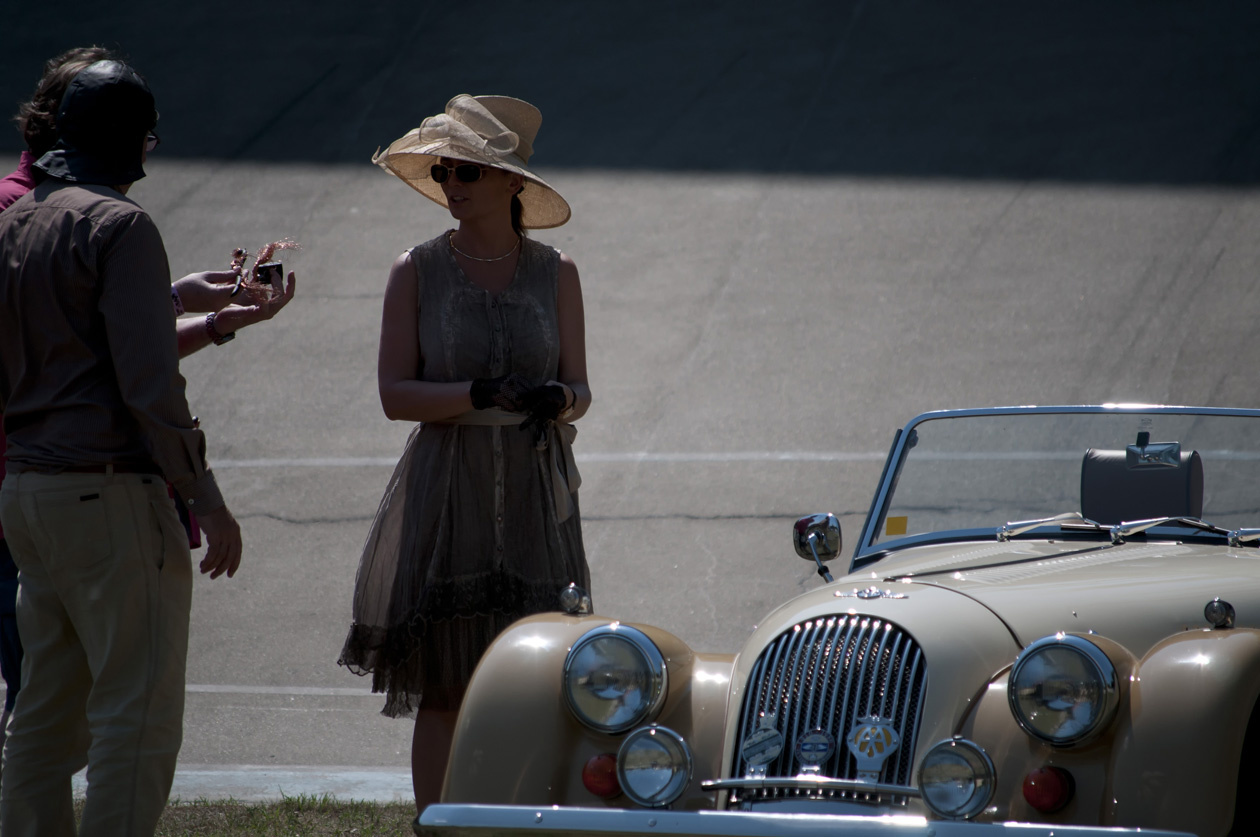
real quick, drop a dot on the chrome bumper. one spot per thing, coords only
(485, 820)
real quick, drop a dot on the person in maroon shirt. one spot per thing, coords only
(18, 182)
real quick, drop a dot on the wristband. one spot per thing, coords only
(213, 333)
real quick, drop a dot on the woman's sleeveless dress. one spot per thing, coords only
(468, 538)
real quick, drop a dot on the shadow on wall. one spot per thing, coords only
(1128, 91)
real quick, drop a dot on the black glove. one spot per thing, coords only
(544, 404)
(506, 391)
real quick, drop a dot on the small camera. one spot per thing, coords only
(272, 274)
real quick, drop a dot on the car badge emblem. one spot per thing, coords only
(871, 593)
(813, 748)
(871, 741)
(763, 745)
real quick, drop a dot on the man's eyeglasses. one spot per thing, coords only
(464, 172)
(151, 141)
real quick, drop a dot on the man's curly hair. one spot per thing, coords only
(37, 118)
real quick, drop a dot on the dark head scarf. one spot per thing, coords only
(105, 115)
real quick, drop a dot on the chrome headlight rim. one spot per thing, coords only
(654, 665)
(677, 785)
(984, 775)
(1104, 669)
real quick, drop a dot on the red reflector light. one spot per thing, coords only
(1048, 789)
(599, 775)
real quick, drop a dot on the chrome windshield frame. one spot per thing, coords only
(867, 551)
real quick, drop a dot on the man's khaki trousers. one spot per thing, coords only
(105, 586)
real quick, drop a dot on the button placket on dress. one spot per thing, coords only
(494, 312)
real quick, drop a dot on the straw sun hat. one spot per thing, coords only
(496, 131)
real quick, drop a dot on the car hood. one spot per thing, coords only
(1136, 593)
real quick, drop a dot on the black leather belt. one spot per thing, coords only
(102, 469)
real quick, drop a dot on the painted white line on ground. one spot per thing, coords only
(736, 456)
(637, 457)
(630, 456)
(270, 783)
(315, 462)
(317, 691)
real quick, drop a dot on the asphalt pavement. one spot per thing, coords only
(798, 225)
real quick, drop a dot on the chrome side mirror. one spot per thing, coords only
(817, 538)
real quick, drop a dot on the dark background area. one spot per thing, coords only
(1131, 91)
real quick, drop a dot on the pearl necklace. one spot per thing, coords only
(450, 239)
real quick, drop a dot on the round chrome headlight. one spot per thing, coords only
(956, 779)
(654, 766)
(614, 678)
(1063, 689)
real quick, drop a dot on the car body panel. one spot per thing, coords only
(1196, 675)
(520, 677)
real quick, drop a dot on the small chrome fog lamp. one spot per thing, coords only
(654, 766)
(1063, 689)
(575, 601)
(956, 779)
(614, 678)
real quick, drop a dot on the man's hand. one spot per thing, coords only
(223, 542)
(206, 291)
(236, 317)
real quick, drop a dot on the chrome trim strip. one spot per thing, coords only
(1238, 537)
(750, 719)
(795, 661)
(842, 643)
(509, 820)
(807, 783)
(913, 706)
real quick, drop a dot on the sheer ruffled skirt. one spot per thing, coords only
(466, 541)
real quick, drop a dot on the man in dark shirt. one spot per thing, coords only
(96, 418)
(36, 122)
(203, 292)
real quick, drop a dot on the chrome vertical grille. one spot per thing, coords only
(828, 673)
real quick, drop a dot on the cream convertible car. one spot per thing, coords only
(1050, 625)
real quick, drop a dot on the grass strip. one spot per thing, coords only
(299, 816)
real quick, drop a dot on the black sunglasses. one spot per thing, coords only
(464, 172)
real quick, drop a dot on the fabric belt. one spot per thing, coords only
(558, 440)
(104, 468)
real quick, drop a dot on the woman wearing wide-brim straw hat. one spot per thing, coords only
(482, 343)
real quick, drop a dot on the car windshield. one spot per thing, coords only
(961, 472)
